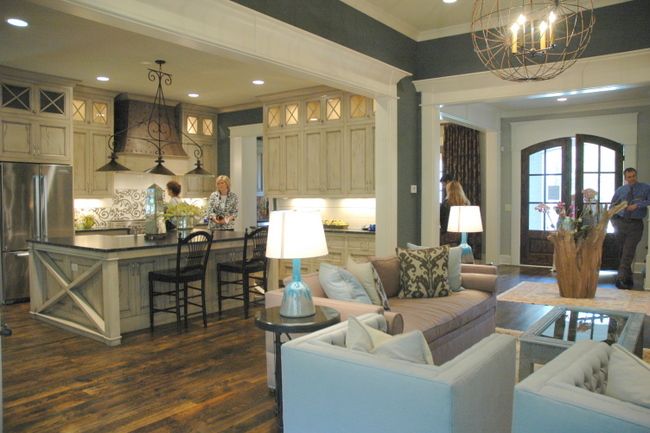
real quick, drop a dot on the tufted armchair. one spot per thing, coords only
(567, 395)
(328, 388)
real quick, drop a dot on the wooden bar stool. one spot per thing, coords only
(250, 264)
(191, 261)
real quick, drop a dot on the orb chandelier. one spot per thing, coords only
(531, 40)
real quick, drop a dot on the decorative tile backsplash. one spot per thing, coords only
(127, 205)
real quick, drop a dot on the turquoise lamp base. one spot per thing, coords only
(467, 255)
(297, 300)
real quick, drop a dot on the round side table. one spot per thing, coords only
(270, 319)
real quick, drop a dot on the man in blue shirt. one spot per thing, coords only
(628, 223)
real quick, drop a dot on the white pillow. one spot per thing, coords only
(628, 377)
(363, 273)
(411, 346)
(453, 266)
(341, 284)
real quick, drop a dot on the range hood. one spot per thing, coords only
(134, 132)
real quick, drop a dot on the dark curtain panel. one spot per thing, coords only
(461, 158)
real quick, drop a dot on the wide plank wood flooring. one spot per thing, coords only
(193, 381)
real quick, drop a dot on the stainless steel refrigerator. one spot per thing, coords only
(36, 202)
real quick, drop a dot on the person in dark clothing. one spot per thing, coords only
(628, 223)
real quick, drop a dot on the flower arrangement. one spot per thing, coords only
(568, 220)
(183, 209)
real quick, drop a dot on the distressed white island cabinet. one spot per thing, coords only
(97, 286)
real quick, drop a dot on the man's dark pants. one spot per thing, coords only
(628, 235)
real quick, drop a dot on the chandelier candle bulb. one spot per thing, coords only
(542, 38)
(515, 30)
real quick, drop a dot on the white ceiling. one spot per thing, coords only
(68, 46)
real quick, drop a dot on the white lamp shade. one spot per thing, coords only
(295, 234)
(465, 219)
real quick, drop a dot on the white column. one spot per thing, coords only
(243, 172)
(386, 175)
(430, 211)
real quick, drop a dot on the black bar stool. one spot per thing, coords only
(191, 261)
(250, 264)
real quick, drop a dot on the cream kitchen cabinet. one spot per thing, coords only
(93, 110)
(283, 163)
(286, 115)
(360, 159)
(330, 155)
(323, 162)
(91, 152)
(198, 125)
(35, 123)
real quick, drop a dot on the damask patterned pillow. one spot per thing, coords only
(423, 273)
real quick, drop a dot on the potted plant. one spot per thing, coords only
(183, 214)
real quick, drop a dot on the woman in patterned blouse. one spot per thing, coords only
(223, 206)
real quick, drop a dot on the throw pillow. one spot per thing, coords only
(341, 284)
(411, 346)
(628, 377)
(423, 273)
(363, 273)
(388, 270)
(380, 289)
(453, 267)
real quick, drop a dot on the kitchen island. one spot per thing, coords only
(98, 286)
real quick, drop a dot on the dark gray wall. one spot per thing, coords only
(409, 164)
(225, 121)
(340, 23)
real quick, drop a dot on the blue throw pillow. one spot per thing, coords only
(339, 283)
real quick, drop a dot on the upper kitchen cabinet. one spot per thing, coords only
(324, 110)
(331, 154)
(360, 109)
(199, 139)
(35, 121)
(285, 115)
(92, 114)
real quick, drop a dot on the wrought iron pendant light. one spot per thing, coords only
(531, 40)
(159, 126)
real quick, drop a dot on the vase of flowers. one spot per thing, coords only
(183, 215)
(578, 244)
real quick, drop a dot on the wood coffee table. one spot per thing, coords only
(562, 326)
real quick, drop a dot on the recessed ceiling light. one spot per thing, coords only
(193, 95)
(102, 78)
(258, 82)
(17, 22)
(561, 99)
(449, 1)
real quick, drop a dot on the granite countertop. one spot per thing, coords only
(361, 231)
(102, 229)
(109, 243)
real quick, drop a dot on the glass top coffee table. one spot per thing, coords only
(563, 326)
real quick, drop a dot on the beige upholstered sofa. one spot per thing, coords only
(450, 324)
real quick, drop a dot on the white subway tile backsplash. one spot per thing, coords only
(357, 212)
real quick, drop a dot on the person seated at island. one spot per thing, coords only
(174, 192)
(223, 206)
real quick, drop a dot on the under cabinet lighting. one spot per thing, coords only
(17, 22)
(258, 82)
(102, 78)
(193, 95)
(449, 1)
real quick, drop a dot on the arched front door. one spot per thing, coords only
(557, 171)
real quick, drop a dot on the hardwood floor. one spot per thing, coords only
(194, 381)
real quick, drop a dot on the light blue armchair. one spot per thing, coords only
(328, 388)
(567, 395)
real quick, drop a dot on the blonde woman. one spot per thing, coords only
(455, 197)
(223, 206)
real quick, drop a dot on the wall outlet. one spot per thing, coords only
(414, 189)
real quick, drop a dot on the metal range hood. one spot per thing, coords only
(134, 131)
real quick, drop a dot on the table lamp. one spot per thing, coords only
(296, 234)
(465, 219)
